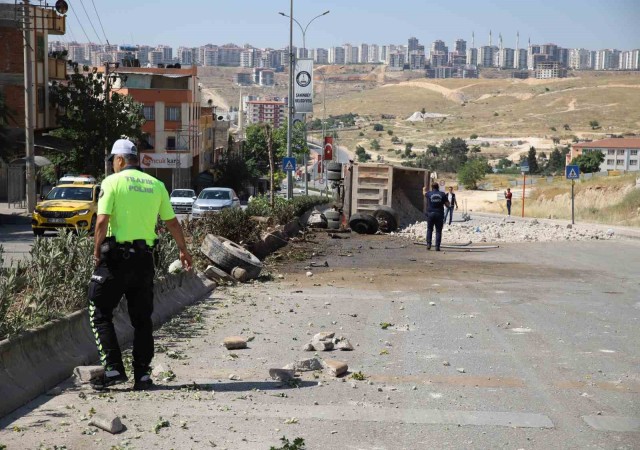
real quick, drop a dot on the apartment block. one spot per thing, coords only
(171, 106)
(619, 154)
(580, 59)
(321, 56)
(548, 70)
(267, 111)
(472, 56)
(487, 55)
(630, 60)
(374, 53)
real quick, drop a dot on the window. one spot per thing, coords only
(633, 162)
(610, 162)
(171, 143)
(40, 97)
(172, 113)
(620, 152)
(634, 152)
(611, 152)
(149, 112)
(619, 162)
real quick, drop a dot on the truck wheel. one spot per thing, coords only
(334, 176)
(387, 218)
(333, 166)
(363, 223)
(227, 255)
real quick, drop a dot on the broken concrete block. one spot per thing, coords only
(305, 365)
(218, 275)
(88, 373)
(111, 424)
(282, 374)
(323, 336)
(308, 348)
(234, 342)
(335, 367)
(240, 274)
(344, 345)
(322, 346)
(159, 370)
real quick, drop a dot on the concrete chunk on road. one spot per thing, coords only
(305, 365)
(235, 342)
(87, 373)
(282, 374)
(335, 367)
(111, 424)
(322, 346)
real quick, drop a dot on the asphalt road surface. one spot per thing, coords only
(528, 346)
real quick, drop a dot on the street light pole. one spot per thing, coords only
(290, 102)
(28, 111)
(304, 47)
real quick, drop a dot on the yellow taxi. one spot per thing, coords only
(70, 206)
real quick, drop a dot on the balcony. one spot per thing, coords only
(57, 69)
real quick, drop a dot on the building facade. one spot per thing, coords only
(267, 111)
(619, 154)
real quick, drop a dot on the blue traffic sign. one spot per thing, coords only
(572, 172)
(289, 164)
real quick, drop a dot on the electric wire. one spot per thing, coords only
(80, 23)
(100, 22)
(90, 21)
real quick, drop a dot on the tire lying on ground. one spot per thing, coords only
(387, 218)
(227, 255)
(363, 223)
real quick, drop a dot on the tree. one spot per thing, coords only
(390, 132)
(377, 127)
(472, 171)
(589, 162)
(594, 124)
(362, 154)
(423, 111)
(473, 136)
(533, 161)
(375, 145)
(556, 162)
(91, 119)
(408, 147)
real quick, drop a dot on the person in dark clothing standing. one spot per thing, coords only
(508, 195)
(436, 201)
(451, 197)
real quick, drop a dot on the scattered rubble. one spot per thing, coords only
(327, 341)
(282, 374)
(305, 365)
(335, 367)
(484, 229)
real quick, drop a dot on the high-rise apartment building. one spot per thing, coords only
(506, 58)
(156, 57)
(487, 55)
(167, 53)
(374, 53)
(630, 60)
(363, 53)
(472, 56)
(321, 56)
(460, 46)
(337, 55)
(580, 59)
(607, 59)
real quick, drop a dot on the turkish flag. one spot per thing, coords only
(328, 148)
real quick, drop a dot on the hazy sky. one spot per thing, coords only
(592, 24)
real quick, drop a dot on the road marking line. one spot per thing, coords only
(613, 423)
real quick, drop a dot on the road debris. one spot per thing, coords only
(87, 373)
(112, 425)
(235, 342)
(282, 374)
(335, 367)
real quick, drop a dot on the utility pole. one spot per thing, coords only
(107, 99)
(28, 110)
(290, 102)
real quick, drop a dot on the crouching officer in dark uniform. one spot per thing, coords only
(128, 208)
(436, 201)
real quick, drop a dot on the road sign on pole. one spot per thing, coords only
(524, 168)
(572, 172)
(289, 164)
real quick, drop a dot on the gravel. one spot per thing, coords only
(504, 230)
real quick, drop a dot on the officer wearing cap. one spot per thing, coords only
(128, 209)
(436, 201)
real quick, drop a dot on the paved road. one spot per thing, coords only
(531, 346)
(16, 241)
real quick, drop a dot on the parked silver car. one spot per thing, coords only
(212, 200)
(182, 200)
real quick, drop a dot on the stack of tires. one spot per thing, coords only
(384, 219)
(334, 171)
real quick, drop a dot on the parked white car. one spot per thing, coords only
(182, 200)
(212, 200)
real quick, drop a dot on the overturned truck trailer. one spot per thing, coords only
(391, 194)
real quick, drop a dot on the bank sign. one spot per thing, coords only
(303, 86)
(165, 160)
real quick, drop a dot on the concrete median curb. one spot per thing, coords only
(37, 360)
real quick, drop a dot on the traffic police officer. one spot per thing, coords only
(128, 208)
(436, 201)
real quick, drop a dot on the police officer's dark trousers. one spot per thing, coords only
(434, 219)
(130, 273)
